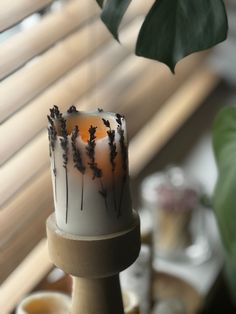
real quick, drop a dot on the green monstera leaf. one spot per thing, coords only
(113, 13)
(175, 29)
(100, 3)
(224, 143)
(172, 29)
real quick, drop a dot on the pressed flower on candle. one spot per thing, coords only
(89, 162)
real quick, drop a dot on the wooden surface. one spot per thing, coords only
(166, 287)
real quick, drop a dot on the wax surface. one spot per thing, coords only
(89, 163)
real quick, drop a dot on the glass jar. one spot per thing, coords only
(178, 218)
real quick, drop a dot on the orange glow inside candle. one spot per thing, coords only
(84, 123)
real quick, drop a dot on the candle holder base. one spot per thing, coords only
(95, 264)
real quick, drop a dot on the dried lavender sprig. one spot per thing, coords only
(119, 118)
(55, 112)
(113, 154)
(90, 148)
(124, 154)
(112, 145)
(78, 163)
(124, 150)
(72, 109)
(65, 148)
(97, 172)
(52, 135)
(123, 146)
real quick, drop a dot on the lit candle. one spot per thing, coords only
(89, 162)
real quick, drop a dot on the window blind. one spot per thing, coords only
(68, 57)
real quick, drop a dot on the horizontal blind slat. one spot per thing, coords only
(49, 67)
(35, 197)
(33, 41)
(87, 102)
(159, 89)
(8, 291)
(12, 12)
(52, 65)
(172, 115)
(31, 118)
(162, 80)
(109, 93)
(30, 234)
(130, 96)
(23, 166)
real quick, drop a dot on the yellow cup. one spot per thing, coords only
(45, 303)
(59, 303)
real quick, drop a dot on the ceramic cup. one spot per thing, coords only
(45, 303)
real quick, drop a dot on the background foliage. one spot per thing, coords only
(224, 143)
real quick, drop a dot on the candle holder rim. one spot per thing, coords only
(96, 257)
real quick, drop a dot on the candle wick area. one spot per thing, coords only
(84, 123)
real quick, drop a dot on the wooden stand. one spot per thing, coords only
(95, 263)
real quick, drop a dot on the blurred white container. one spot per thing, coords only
(179, 230)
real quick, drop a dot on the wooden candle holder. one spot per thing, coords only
(95, 264)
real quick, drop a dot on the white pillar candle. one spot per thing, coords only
(89, 162)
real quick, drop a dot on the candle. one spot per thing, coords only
(89, 165)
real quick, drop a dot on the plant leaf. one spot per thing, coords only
(224, 143)
(174, 29)
(100, 3)
(113, 13)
